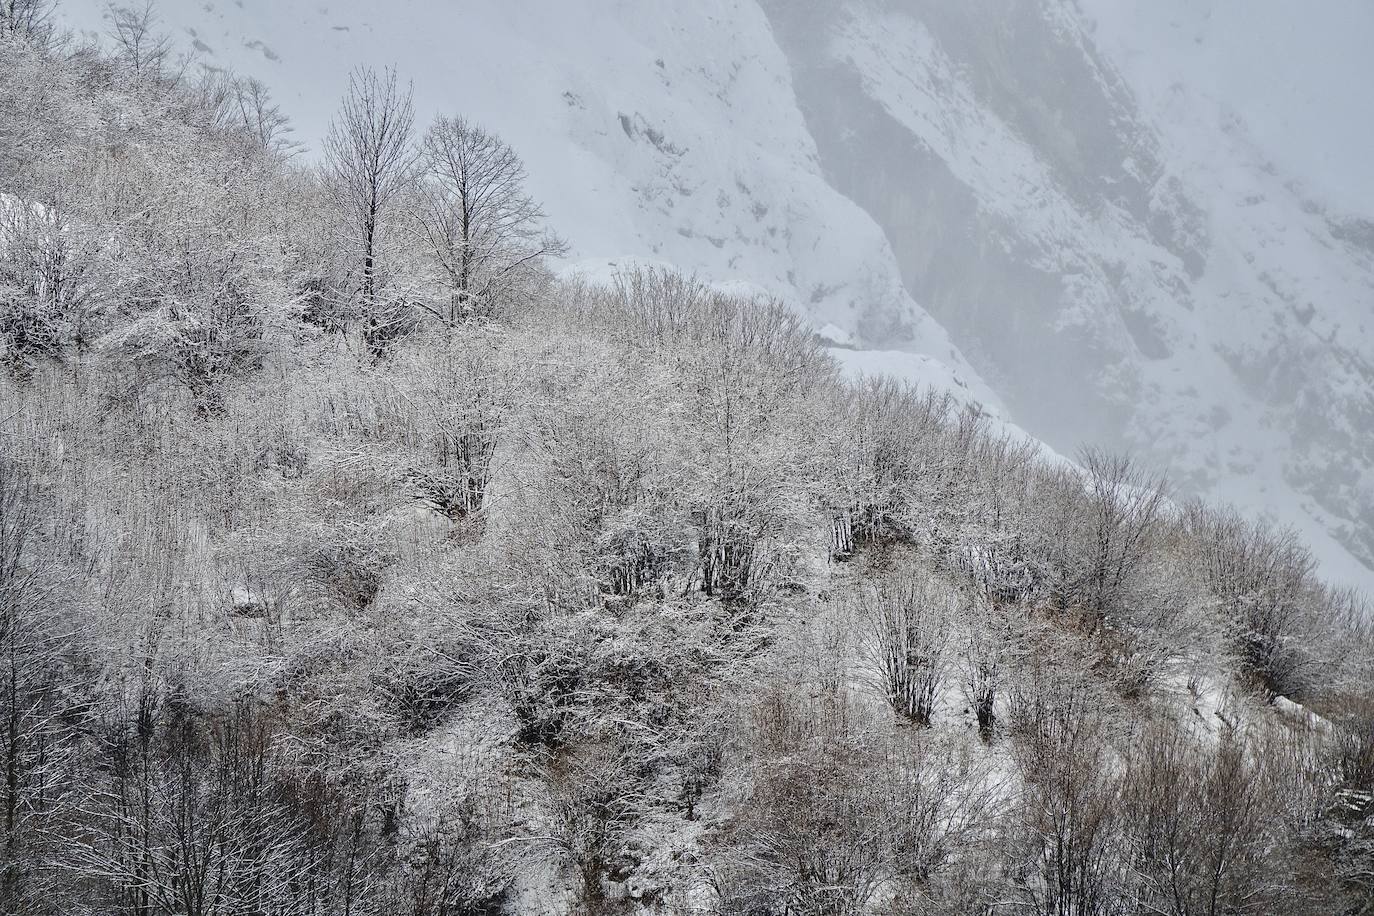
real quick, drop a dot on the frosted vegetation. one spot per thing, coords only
(351, 563)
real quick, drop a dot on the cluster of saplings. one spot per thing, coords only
(351, 564)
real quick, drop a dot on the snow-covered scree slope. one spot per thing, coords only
(1111, 247)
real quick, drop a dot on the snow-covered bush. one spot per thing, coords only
(1263, 579)
(1205, 826)
(908, 618)
(887, 463)
(838, 813)
(45, 290)
(1067, 851)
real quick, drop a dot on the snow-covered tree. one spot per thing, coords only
(28, 20)
(486, 234)
(369, 163)
(139, 44)
(46, 290)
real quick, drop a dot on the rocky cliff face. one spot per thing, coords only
(1001, 186)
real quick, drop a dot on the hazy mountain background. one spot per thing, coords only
(1147, 226)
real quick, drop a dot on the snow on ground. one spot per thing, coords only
(1280, 158)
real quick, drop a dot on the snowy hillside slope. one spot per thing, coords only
(1140, 274)
(1114, 251)
(655, 131)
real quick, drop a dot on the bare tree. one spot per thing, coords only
(1097, 529)
(201, 275)
(1069, 831)
(837, 809)
(1208, 828)
(251, 109)
(1125, 504)
(140, 45)
(885, 462)
(991, 636)
(595, 800)
(369, 159)
(192, 819)
(1264, 579)
(484, 231)
(750, 367)
(27, 19)
(450, 870)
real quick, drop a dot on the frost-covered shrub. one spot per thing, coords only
(450, 399)
(543, 679)
(834, 811)
(452, 867)
(44, 284)
(421, 687)
(1068, 840)
(29, 329)
(630, 563)
(999, 569)
(1094, 532)
(594, 797)
(1205, 826)
(1264, 580)
(990, 649)
(652, 667)
(908, 618)
(348, 573)
(731, 557)
(886, 471)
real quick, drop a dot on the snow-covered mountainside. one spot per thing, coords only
(1061, 206)
(1142, 274)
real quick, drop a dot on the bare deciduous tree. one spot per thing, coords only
(1204, 826)
(1264, 579)
(27, 19)
(594, 797)
(1071, 804)
(369, 159)
(135, 33)
(35, 736)
(885, 461)
(485, 232)
(251, 109)
(193, 820)
(1125, 503)
(838, 811)
(990, 649)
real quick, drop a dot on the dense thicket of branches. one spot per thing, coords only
(349, 564)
